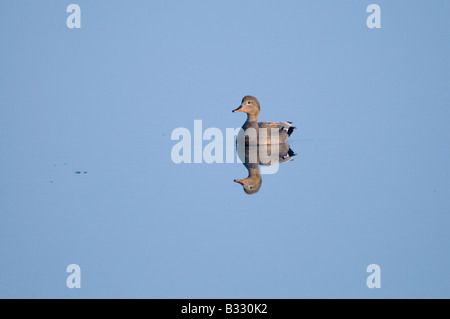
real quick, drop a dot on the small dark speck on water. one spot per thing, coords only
(77, 172)
(84, 172)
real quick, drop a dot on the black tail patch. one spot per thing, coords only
(291, 129)
(291, 153)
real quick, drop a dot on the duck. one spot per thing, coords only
(250, 105)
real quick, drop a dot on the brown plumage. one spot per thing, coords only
(261, 132)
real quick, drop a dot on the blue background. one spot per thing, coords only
(370, 183)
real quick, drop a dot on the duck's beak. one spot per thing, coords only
(239, 109)
(240, 181)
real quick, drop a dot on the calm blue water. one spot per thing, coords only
(369, 184)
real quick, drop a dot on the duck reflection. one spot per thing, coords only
(252, 156)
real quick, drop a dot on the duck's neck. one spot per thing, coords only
(252, 117)
(254, 171)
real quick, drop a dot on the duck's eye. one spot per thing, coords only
(248, 102)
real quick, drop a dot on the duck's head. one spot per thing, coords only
(251, 184)
(249, 105)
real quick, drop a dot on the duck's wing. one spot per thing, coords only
(286, 127)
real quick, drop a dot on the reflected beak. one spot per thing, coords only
(239, 109)
(240, 181)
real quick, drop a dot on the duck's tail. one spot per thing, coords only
(291, 129)
(289, 156)
(291, 153)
